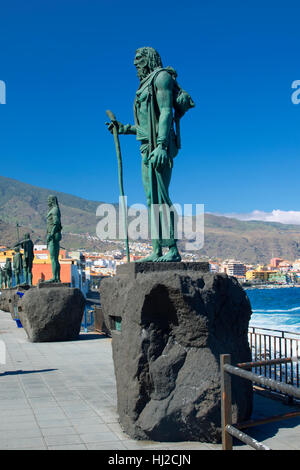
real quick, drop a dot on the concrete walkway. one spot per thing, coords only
(63, 396)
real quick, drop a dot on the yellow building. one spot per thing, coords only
(6, 253)
(40, 256)
(261, 267)
(258, 275)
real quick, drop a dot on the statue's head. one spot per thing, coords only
(52, 201)
(146, 60)
(27, 236)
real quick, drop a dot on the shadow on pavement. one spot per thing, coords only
(20, 372)
(87, 336)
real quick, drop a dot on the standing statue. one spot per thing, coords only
(28, 256)
(159, 104)
(8, 273)
(17, 265)
(4, 278)
(1, 277)
(54, 229)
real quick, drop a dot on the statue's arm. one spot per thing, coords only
(121, 128)
(164, 96)
(129, 129)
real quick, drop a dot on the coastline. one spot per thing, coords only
(273, 286)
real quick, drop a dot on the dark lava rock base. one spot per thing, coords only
(168, 330)
(52, 313)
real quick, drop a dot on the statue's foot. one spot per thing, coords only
(149, 259)
(171, 256)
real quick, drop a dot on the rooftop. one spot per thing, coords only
(63, 396)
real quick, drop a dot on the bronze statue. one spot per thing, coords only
(1, 277)
(54, 229)
(28, 257)
(8, 273)
(17, 265)
(159, 104)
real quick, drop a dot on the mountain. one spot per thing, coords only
(248, 241)
(27, 205)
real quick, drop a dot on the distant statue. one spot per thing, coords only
(1, 277)
(28, 257)
(54, 229)
(8, 273)
(4, 280)
(17, 265)
(159, 104)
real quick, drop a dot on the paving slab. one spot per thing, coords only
(62, 396)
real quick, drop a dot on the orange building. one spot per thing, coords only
(44, 272)
(42, 269)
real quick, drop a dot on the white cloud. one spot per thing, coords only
(283, 217)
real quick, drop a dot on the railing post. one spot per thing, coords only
(226, 405)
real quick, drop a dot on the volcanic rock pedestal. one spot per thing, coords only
(169, 323)
(52, 313)
(9, 299)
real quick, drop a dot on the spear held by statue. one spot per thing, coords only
(114, 123)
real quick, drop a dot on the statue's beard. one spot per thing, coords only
(143, 72)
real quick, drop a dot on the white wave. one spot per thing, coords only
(277, 322)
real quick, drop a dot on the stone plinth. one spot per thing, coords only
(48, 285)
(52, 314)
(133, 269)
(169, 327)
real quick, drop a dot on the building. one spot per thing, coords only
(69, 273)
(255, 275)
(285, 266)
(233, 268)
(296, 265)
(6, 253)
(278, 277)
(274, 262)
(214, 267)
(71, 270)
(43, 256)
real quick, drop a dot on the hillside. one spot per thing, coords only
(251, 241)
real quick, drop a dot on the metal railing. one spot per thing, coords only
(273, 345)
(228, 430)
(88, 318)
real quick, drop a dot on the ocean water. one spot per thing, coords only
(277, 308)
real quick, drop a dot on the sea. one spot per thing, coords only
(275, 308)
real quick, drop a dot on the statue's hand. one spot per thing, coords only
(118, 125)
(159, 158)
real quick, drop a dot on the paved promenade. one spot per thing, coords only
(63, 396)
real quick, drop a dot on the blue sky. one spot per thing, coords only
(65, 62)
